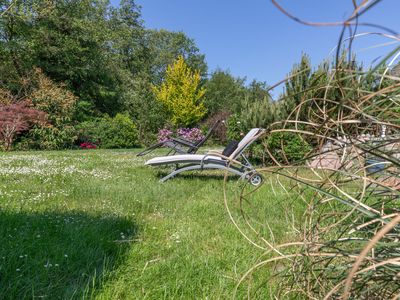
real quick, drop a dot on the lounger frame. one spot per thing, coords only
(236, 163)
(244, 171)
(180, 145)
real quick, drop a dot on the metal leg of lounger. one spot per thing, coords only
(175, 148)
(201, 167)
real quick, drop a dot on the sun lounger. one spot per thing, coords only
(233, 161)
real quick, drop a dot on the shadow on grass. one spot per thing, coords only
(59, 256)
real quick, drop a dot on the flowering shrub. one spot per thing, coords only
(164, 135)
(88, 145)
(190, 134)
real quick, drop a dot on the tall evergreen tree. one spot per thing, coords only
(181, 95)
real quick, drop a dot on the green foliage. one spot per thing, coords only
(53, 99)
(287, 147)
(258, 114)
(247, 106)
(256, 111)
(224, 92)
(164, 47)
(307, 88)
(59, 104)
(295, 87)
(102, 54)
(49, 138)
(84, 111)
(148, 114)
(181, 95)
(236, 129)
(96, 59)
(117, 132)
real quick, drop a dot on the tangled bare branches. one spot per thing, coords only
(346, 242)
(7, 8)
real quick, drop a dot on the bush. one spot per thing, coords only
(48, 138)
(117, 132)
(16, 118)
(235, 130)
(190, 134)
(58, 103)
(52, 98)
(287, 147)
(164, 135)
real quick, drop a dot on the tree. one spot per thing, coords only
(259, 113)
(224, 92)
(76, 36)
(52, 98)
(306, 87)
(165, 47)
(128, 36)
(181, 95)
(257, 91)
(86, 44)
(16, 118)
(295, 87)
(101, 54)
(14, 48)
(59, 103)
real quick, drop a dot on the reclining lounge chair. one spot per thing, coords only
(234, 162)
(180, 145)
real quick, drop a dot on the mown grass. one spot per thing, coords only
(98, 224)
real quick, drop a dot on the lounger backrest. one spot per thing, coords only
(248, 139)
(202, 141)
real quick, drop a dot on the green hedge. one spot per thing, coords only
(107, 132)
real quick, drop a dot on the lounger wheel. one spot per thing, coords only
(256, 179)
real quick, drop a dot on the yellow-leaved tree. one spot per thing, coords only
(181, 95)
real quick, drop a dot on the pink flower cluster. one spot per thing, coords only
(190, 134)
(164, 135)
(88, 145)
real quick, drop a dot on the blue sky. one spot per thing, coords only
(254, 39)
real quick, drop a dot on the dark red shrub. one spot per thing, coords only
(16, 118)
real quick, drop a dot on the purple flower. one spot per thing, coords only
(164, 135)
(190, 134)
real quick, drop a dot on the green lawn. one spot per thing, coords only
(98, 224)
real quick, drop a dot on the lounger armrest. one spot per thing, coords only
(214, 152)
(183, 142)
